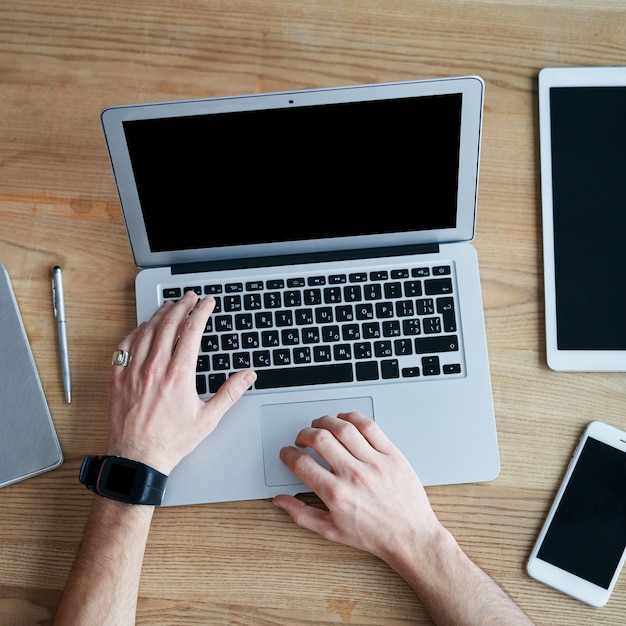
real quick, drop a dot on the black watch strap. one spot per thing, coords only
(123, 479)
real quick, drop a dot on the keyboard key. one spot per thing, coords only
(316, 280)
(445, 306)
(252, 301)
(432, 326)
(412, 288)
(444, 343)
(337, 279)
(425, 306)
(232, 303)
(342, 352)
(431, 366)
(312, 297)
(393, 290)
(437, 286)
(241, 360)
(282, 356)
(410, 372)
(382, 348)
(368, 370)
(221, 362)
(395, 274)
(359, 277)
(272, 300)
(201, 386)
(311, 335)
(292, 298)
(216, 381)
(379, 275)
(363, 350)
(373, 292)
(174, 292)
(261, 358)
(210, 343)
(308, 375)
(301, 355)
(321, 354)
(352, 293)
(389, 369)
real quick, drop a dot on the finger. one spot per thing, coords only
(139, 342)
(307, 469)
(228, 393)
(191, 329)
(169, 328)
(348, 435)
(370, 430)
(135, 342)
(308, 517)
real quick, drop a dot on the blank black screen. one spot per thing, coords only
(587, 535)
(588, 132)
(297, 173)
(121, 479)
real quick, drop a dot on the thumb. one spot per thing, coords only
(234, 387)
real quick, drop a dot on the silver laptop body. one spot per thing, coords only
(317, 197)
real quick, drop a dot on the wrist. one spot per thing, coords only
(423, 553)
(147, 456)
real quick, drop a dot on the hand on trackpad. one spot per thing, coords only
(280, 423)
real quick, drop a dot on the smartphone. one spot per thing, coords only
(582, 546)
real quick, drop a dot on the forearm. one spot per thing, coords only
(103, 584)
(453, 589)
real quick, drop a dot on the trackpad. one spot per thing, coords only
(280, 423)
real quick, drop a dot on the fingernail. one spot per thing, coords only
(249, 377)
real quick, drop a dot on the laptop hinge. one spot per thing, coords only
(310, 257)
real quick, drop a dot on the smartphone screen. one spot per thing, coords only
(585, 534)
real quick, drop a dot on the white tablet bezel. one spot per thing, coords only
(558, 359)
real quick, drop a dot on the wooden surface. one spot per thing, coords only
(61, 62)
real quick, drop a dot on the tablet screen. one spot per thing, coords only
(588, 133)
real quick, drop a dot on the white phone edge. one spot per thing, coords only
(555, 577)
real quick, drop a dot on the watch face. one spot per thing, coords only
(122, 480)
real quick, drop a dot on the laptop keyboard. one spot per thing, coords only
(366, 326)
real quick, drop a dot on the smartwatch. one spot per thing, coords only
(122, 479)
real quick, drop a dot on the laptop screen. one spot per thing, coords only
(289, 174)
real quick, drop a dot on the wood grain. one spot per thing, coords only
(61, 63)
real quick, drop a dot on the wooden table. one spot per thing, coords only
(61, 62)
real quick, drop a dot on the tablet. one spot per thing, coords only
(582, 138)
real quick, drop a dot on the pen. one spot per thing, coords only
(59, 312)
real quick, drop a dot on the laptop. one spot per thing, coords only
(333, 227)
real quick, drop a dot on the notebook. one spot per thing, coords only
(28, 441)
(329, 224)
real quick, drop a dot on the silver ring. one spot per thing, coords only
(121, 357)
